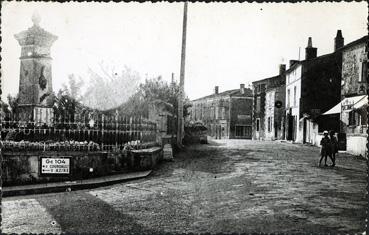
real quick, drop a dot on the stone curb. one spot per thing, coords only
(67, 186)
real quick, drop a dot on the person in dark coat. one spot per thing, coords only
(326, 147)
(334, 147)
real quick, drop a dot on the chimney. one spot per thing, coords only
(173, 81)
(310, 51)
(216, 90)
(282, 69)
(292, 62)
(242, 88)
(339, 41)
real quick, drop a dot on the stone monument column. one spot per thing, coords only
(35, 82)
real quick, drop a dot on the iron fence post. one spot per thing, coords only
(102, 132)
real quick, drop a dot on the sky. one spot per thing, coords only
(227, 43)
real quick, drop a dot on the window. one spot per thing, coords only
(294, 96)
(258, 124)
(269, 124)
(217, 113)
(223, 113)
(199, 114)
(353, 118)
(288, 98)
(263, 87)
(364, 71)
(205, 112)
(212, 113)
(258, 104)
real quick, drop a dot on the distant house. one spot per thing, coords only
(227, 114)
(161, 113)
(268, 107)
(274, 123)
(351, 110)
(312, 87)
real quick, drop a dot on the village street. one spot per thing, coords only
(225, 186)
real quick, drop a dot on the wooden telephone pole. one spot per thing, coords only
(180, 127)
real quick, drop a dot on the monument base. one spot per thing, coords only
(38, 114)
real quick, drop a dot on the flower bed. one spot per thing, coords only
(9, 145)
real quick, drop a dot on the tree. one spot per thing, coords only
(152, 90)
(5, 111)
(109, 88)
(74, 87)
(67, 101)
(13, 103)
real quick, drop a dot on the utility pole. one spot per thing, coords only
(180, 127)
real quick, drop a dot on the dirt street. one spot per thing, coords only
(226, 186)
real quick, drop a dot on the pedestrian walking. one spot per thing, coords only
(325, 150)
(334, 147)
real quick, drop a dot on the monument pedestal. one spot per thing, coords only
(38, 114)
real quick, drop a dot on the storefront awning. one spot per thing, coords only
(334, 110)
(347, 104)
(361, 103)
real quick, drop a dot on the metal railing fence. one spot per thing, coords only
(103, 131)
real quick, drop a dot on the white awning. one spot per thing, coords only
(334, 110)
(347, 104)
(361, 103)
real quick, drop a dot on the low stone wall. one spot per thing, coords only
(146, 158)
(25, 168)
(318, 138)
(356, 144)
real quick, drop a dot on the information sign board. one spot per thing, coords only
(55, 166)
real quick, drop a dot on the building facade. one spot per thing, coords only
(274, 125)
(293, 94)
(312, 87)
(262, 105)
(161, 113)
(352, 109)
(227, 114)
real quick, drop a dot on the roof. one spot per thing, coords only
(276, 87)
(294, 66)
(265, 79)
(310, 61)
(272, 82)
(353, 43)
(248, 92)
(363, 39)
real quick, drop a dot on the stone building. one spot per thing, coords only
(35, 81)
(352, 109)
(161, 113)
(312, 87)
(264, 122)
(226, 114)
(274, 112)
